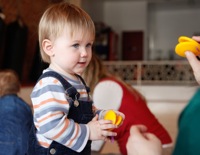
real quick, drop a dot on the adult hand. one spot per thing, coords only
(142, 143)
(193, 61)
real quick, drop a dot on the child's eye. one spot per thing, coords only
(89, 45)
(75, 45)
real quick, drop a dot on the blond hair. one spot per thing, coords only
(9, 82)
(96, 71)
(60, 16)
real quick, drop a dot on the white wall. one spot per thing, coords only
(121, 16)
(126, 16)
(162, 23)
(95, 9)
(167, 23)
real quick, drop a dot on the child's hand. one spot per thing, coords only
(99, 129)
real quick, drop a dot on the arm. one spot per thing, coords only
(188, 136)
(107, 95)
(50, 115)
(187, 141)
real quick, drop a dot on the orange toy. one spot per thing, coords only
(111, 115)
(187, 44)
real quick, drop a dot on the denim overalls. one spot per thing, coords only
(81, 113)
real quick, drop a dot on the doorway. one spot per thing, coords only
(132, 45)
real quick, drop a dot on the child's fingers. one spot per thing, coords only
(121, 114)
(106, 125)
(95, 118)
(103, 121)
(108, 133)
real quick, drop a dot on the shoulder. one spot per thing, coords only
(107, 95)
(108, 87)
(47, 85)
(47, 82)
(110, 84)
(49, 77)
(13, 102)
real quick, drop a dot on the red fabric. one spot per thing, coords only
(137, 112)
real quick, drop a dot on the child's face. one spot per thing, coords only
(72, 54)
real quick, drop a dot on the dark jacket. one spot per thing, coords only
(15, 124)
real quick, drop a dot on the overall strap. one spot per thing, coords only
(87, 88)
(69, 89)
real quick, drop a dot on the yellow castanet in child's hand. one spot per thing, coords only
(114, 117)
(111, 115)
(118, 119)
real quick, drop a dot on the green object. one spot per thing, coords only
(188, 138)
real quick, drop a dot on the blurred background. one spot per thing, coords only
(135, 38)
(126, 30)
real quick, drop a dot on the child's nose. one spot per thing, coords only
(83, 52)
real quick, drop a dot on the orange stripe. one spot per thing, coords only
(82, 93)
(50, 100)
(44, 144)
(70, 143)
(49, 116)
(55, 81)
(40, 82)
(63, 130)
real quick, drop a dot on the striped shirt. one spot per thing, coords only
(51, 107)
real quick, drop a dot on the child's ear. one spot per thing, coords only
(47, 47)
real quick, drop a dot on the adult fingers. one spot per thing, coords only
(197, 38)
(137, 129)
(195, 64)
(152, 137)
